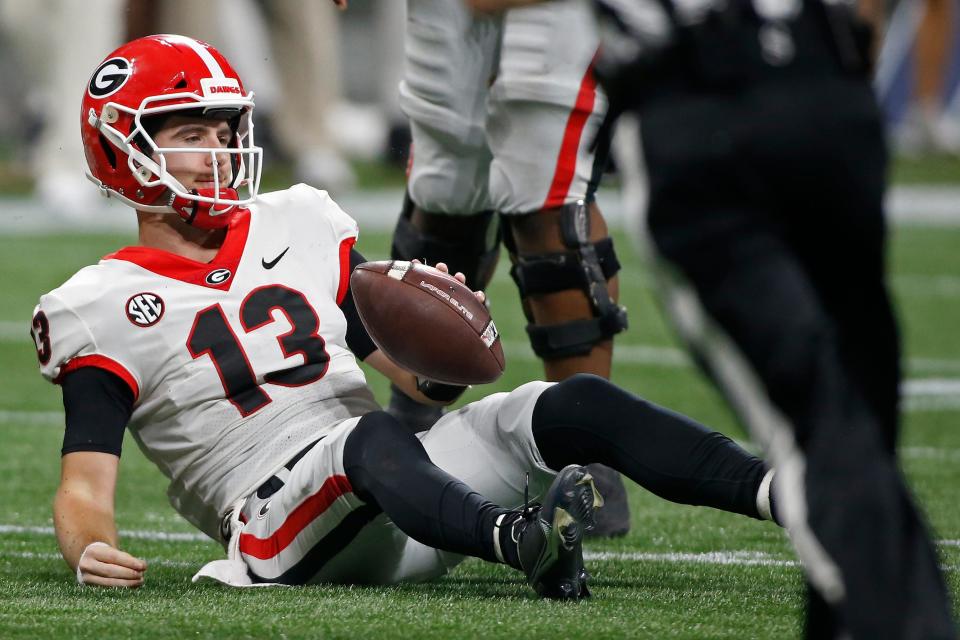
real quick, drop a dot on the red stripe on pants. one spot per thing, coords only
(308, 511)
(567, 159)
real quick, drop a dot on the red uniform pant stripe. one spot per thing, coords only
(308, 511)
(567, 158)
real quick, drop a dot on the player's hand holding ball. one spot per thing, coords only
(428, 321)
(443, 268)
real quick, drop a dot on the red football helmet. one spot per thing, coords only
(159, 75)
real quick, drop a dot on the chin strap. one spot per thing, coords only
(206, 215)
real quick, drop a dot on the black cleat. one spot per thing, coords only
(549, 537)
(613, 521)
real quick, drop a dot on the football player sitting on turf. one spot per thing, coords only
(227, 341)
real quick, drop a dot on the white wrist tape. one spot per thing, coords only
(85, 549)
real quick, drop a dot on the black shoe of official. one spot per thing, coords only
(414, 416)
(613, 520)
(549, 537)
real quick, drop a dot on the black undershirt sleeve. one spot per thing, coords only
(98, 405)
(358, 340)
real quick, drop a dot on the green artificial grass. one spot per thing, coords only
(682, 572)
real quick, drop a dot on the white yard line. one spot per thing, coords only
(931, 394)
(165, 536)
(924, 205)
(636, 354)
(135, 534)
(931, 387)
(31, 418)
(30, 555)
(735, 558)
(743, 558)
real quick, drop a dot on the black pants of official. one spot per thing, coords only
(768, 200)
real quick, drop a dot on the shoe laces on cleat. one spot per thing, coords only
(549, 536)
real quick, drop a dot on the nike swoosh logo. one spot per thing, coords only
(273, 263)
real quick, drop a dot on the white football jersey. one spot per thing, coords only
(235, 365)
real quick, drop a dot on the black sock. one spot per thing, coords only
(587, 419)
(388, 466)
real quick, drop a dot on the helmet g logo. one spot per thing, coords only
(109, 77)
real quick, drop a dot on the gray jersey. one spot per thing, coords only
(235, 365)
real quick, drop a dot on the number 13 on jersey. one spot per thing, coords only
(213, 337)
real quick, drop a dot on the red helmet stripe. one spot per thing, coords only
(215, 70)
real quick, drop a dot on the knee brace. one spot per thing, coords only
(586, 266)
(475, 254)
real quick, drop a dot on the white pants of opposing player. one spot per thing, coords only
(315, 529)
(503, 109)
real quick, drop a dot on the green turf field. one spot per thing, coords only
(682, 572)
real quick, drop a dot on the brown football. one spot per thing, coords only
(427, 322)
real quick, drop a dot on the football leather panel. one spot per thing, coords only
(427, 322)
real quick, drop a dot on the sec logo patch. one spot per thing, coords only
(145, 309)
